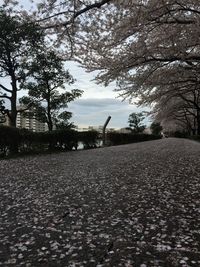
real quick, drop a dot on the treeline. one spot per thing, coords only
(22, 141)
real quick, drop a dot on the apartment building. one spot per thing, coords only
(27, 121)
(95, 128)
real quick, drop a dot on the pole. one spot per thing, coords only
(104, 130)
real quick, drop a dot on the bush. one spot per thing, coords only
(122, 138)
(55, 140)
(195, 137)
(9, 140)
(89, 139)
(14, 140)
(156, 128)
(179, 134)
(66, 139)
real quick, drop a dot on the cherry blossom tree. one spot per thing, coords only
(149, 48)
(176, 115)
(60, 19)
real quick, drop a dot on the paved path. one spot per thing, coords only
(132, 205)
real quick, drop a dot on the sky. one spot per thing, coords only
(97, 102)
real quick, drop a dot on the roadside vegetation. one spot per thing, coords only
(28, 142)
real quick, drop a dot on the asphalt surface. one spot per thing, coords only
(132, 205)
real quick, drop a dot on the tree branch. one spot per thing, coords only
(5, 89)
(76, 14)
(5, 96)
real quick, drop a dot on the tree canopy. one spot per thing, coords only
(47, 75)
(149, 48)
(156, 128)
(135, 122)
(18, 40)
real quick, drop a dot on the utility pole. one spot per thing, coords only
(104, 130)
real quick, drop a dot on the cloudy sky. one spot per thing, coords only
(97, 102)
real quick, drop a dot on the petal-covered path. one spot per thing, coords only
(132, 205)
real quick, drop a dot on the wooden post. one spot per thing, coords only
(104, 130)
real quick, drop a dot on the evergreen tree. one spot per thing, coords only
(47, 93)
(135, 122)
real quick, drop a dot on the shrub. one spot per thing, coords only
(9, 140)
(156, 128)
(66, 139)
(56, 140)
(179, 134)
(14, 140)
(195, 137)
(89, 139)
(122, 138)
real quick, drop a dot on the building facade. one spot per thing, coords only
(27, 121)
(95, 128)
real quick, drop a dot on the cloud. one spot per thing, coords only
(94, 112)
(97, 102)
(85, 81)
(100, 102)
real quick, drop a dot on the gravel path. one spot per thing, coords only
(133, 205)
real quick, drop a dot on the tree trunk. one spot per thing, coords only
(12, 119)
(50, 124)
(198, 122)
(14, 147)
(49, 119)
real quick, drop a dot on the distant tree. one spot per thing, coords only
(177, 114)
(135, 122)
(62, 121)
(47, 88)
(156, 128)
(18, 39)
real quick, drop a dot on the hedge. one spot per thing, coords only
(89, 139)
(9, 140)
(178, 134)
(14, 140)
(114, 138)
(195, 138)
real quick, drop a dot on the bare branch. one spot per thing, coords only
(75, 15)
(5, 89)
